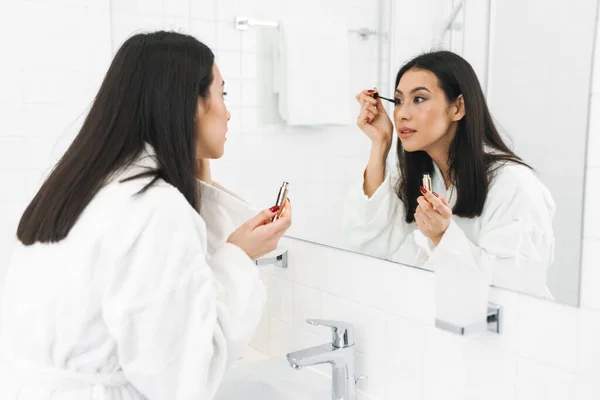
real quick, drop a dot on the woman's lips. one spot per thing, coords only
(406, 132)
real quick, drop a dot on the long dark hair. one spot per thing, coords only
(149, 95)
(470, 165)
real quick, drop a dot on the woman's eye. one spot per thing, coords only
(419, 99)
(397, 101)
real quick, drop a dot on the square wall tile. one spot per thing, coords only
(177, 8)
(591, 212)
(406, 343)
(250, 40)
(205, 10)
(281, 338)
(589, 343)
(281, 299)
(369, 273)
(539, 381)
(308, 272)
(590, 274)
(260, 340)
(230, 64)
(400, 384)
(11, 123)
(249, 93)
(205, 31)
(466, 368)
(410, 293)
(228, 38)
(307, 305)
(10, 85)
(150, 7)
(22, 153)
(338, 277)
(227, 10)
(593, 142)
(587, 389)
(548, 332)
(249, 65)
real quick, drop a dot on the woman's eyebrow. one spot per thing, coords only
(415, 90)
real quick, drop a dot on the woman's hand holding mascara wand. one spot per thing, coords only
(376, 124)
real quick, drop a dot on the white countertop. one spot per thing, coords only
(251, 355)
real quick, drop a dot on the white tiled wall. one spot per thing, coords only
(546, 350)
(292, 154)
(54, 55)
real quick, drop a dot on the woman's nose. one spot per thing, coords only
(228, 115)
(402, 114)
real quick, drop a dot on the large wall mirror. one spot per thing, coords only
(533, 61)
(293, 69)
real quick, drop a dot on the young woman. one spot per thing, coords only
(134, 276)
(487, 211)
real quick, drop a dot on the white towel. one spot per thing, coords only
(311, 74)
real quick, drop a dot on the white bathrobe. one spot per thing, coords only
(144, 299)
(512, 242)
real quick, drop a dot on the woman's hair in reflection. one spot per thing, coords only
(149, 95)
(471, 165)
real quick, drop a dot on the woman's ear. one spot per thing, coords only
(202, 107)
(458, 108)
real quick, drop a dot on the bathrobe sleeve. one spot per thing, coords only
(376, 226)
(178, 316)
(515, 245)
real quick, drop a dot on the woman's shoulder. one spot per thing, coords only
(512, 174)
(132, 202)
(512, 181)
(158, 197)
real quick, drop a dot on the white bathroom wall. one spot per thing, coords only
(546, 350)
(54, 55)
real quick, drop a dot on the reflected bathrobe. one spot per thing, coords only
(144, 299)
(512, 242)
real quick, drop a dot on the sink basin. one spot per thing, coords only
(273, 379)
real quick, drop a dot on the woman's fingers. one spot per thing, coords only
(438, 204)
(366, 97)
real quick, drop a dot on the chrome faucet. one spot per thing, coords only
(339, 353)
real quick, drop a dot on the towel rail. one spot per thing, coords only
(244, 23)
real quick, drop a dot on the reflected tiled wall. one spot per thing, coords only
(261, 152)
